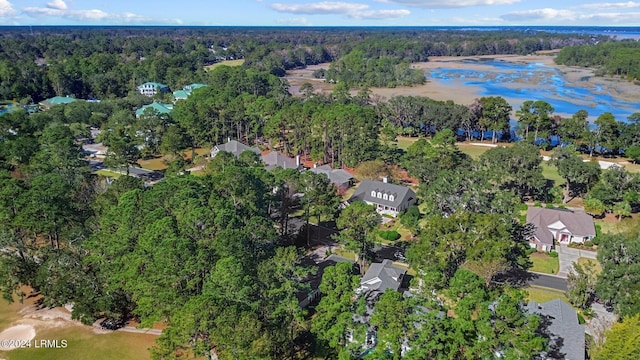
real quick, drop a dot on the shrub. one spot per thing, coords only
(596, 240)
(553, 254)
(523, 207)
(588, 243)
(580, 319)
(538, 204)
(390, 235)
(549, 206)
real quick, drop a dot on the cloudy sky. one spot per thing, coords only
(320, 13)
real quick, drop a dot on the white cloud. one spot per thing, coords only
(57, 4)
(446, 4)
(616, 18)
(540, 14)
(297, 21)
(6, 9)
(352, 10)
(380, 14)
(324, 7)
(58, 8)
(618, 5)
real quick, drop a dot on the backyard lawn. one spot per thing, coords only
(159, 163)
(108, 173)
(597, 268)
(542, 294)
(544, 263)
(473, 150)
(551, 173)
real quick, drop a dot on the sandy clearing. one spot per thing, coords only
(456, 91)
(12, 337)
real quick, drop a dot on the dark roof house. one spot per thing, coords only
(388, 198)
(382, 276)
(274, 159)
(567, 340)
(564, 226)
(340, 178)
(234, 147)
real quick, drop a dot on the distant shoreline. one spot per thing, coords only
(461, 93)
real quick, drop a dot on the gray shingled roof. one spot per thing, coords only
(579, 224)
(275, 159)
(336, 176)
(382, 276)
(400, 193)
(567, 335)
(236, 148)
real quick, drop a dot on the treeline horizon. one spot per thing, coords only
(109, 63)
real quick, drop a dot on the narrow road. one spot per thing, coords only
(549, 281)
(132, 329)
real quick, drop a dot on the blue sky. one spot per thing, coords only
(320, 13)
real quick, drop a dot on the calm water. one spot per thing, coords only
(513, 82)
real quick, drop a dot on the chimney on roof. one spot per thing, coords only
(315, 165)
(229, 139)
(385, 179)
(297, 160)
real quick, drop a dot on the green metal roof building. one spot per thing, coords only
(57, 100)
(160, 108)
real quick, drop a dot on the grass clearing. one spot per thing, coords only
(597, 268)
(404, 142)
(473, 150)
(108, 173)
(345, 254)
(543, 294)
(83, 343)
(238, 62)
(551, 173)
(159, 162)
(544, 263)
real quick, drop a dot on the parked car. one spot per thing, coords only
(399, 256)
(111, 324)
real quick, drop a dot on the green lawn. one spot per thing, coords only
(83, 343)
(597, 269)
(108, 173)
(551, 173)
(226, 62)
(542, 294)
(614, 227)
(544, 263)
(404, 142)
(345, 254)
(160, 164)
(473, 150)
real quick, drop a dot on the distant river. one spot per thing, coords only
(521, 81)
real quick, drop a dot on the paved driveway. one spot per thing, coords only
(600, 322)
(567, 256)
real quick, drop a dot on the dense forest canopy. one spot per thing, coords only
(620, 58)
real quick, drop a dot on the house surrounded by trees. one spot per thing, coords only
(387, 198)
(563, 226)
